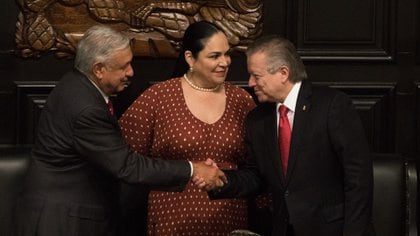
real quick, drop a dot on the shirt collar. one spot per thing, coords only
(291, 99)
(106, 98)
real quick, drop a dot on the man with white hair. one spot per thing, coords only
(79, 153)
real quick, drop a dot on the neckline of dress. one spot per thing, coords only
(192, 114)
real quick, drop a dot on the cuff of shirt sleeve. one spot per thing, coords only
(192, 169)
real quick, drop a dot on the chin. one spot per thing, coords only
(221, 80)
(119, 89)
(261, 99)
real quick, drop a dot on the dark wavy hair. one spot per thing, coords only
(194, 40)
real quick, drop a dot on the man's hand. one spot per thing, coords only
(207, 175)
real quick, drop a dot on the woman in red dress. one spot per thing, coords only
(195, 115)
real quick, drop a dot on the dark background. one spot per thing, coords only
(370, 49)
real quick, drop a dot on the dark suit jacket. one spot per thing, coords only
(79, 155)
(328, 187)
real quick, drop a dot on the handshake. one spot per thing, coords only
(207, 175)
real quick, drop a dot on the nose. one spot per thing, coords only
(129, 72)
(224, 61)
(251, 81)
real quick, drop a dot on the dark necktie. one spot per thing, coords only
(284, 135)
(110, 107)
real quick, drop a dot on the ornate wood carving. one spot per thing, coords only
(157, 26)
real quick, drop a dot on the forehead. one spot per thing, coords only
(257, 62)
(217, 42)
(122, 56)
(124, 53)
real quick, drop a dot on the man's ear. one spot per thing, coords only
(284, 73)
(98, 70)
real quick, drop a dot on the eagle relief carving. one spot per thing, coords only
(156, 26)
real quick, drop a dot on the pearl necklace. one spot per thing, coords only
(190, 83)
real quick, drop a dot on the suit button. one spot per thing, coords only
(286, 193)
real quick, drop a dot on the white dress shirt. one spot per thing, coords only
(290, 103)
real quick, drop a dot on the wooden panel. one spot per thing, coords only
(31, 97)
(417, 118)
(346, 30)
(7, 118)
(373, 101)
(376, 106)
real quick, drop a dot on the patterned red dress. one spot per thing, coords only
(159, 124)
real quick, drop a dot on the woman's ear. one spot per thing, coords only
(189, 58)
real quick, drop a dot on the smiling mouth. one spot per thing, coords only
(221, 73)
(126, 83)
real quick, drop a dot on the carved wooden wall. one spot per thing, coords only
(374, 102)
(370, 49)
(30, 99)
(155, 26)
(364, 30)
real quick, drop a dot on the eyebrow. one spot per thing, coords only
(221, 53)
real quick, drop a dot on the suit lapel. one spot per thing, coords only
(94, 90)
(270, 130)
(300, 122)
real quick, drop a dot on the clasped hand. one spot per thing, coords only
(207, 176)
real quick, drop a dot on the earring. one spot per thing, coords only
(191, 70)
